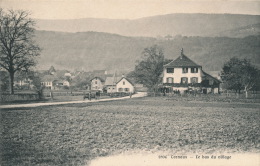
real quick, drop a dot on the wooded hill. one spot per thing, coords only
(95, 50)
(161, 25)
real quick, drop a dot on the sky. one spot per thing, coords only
(127, 9)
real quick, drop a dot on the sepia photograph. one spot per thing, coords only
(129, 82)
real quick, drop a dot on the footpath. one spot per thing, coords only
(137, 95)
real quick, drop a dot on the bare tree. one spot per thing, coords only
(17, 48)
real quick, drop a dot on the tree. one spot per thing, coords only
(238, 74)
(36, 82)
(4, 82)
(17, 49)
(150, 68)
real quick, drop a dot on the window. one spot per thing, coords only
(95, 82)
(211, 82)
(169, 80)
(127, 89)
(184, 80)
(194, 79)
(194, 70)
(120, 89)
(170, 70)
(123, 82)
(185, 70)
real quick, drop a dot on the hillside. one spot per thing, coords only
(171, 24)
(93, 50)
(248, 30)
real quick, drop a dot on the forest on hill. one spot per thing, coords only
(95, 50)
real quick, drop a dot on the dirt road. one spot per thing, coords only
(139, 94)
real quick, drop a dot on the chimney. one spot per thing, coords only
(181, 53)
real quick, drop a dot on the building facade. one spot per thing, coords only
(110, 84)
(125, 85)
(183, 74)
(119, 84)
(97, 83)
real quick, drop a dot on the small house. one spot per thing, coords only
(125, 85)
(97, 83)
(110, 84)
(47, 81)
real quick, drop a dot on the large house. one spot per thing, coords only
(183, 74)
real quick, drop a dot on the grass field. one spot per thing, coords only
(76, 134)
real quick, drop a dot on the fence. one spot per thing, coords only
(18, 97)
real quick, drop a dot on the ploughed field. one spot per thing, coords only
(76, 134)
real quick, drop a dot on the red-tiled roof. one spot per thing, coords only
(182, 61)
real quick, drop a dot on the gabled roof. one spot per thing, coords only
(59, 81)
(182, 61)
(215, 74)
(211, 77)
(125, 79)
(101, 79)
(112, 80)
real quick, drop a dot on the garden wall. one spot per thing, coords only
(18, 97)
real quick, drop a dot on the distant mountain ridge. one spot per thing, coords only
(95, 50)
(162, 25)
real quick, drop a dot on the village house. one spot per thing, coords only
(119, 84)
(98, 79)
(183, 74)
(55, 79)
(97, 83)
(110, 84)
(125, 85)
(53, 83)
(47, 81)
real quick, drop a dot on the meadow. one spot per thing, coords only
(78, 133)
